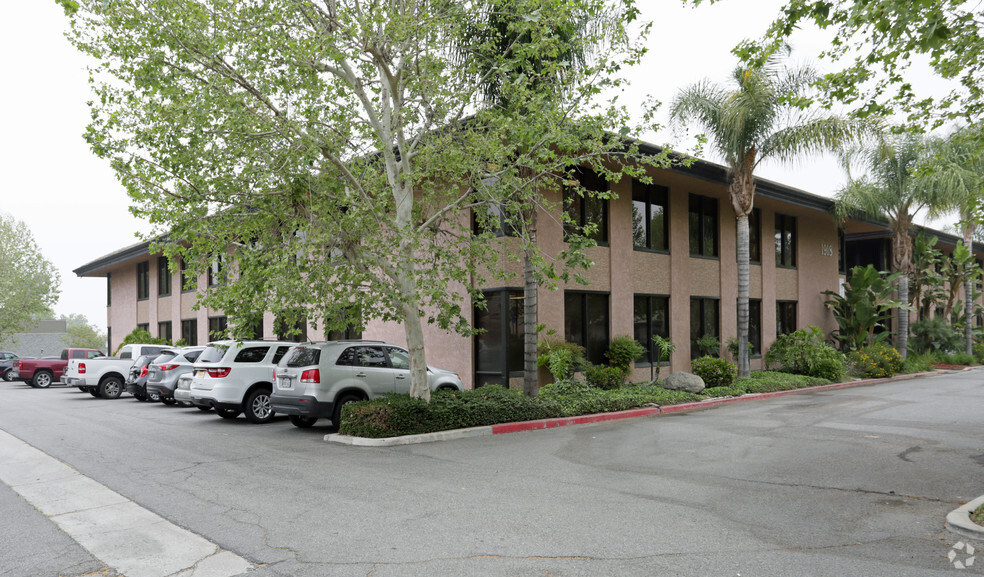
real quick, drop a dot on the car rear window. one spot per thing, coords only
(251, 355)
(303, 357)
(192, 356)
(164, 357)
(213, 353)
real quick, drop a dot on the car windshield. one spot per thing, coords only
(213, 353)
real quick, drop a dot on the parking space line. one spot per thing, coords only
(126, 537)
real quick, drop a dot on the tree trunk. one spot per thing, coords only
(530, 287)
(968, 234)
(902, 335)
(419, 387)
(743, 242)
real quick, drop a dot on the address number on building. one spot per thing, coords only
(826, 249)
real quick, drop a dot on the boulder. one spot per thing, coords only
(681, 381)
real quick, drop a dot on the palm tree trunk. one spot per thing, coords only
(968, 235)
(902, 334)
(743, 266)
(530, 286)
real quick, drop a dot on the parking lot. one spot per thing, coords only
(850, 482)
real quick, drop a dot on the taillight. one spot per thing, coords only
(81, 368)
(219, 373)
(170, 367)
(144, 371)
(20, 365)
(311, 376)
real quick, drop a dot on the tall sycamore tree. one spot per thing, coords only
(321, 156)
(758, 117)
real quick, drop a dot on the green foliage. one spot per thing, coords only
(917, 363)
(953, 359)
(979, 353)
(82, 335)
(28, 281)
(715, 372)
(605, 377)
(579, 398)
(623, 351)
(397, 415)
(709, 346)
(804, 352)
(664, 350)
(865, 307)
(561, 358)
(934, 335)
(877, 361)
(978, 516)
(732, 391)
(770, 382)
(732, 348)
(140, 337)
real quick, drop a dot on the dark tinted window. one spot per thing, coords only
(304, 357)
(280, 352)
(164, 357)
(348, 357)
(126, 355)
(192, 356)
(251, 355)
(372, 357)
(213, 353)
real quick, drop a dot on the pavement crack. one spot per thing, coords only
(856, 490)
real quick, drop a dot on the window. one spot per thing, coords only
(755, 236)
(109, 289)
(352, 329)
(399, 358)
(165, 332)
(650, 216)
(754, 325)
(785, 240)
(143, 327)
(587, 209)
(492, 218)
(294, 332)
(586, 323)
(216, 272)
(651, 316)
(188, 281)
(841, 251)
(499, 349)
(143, 280)
(253, 330)
(785, 317)
(364, 357)
(163, 277)
(189, 331)
(703, 226)
(93, 354)
(217, 328)
(251, 355)
(703, 323)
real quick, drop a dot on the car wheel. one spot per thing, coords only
(168, 400)
(302, 422)
(154, 397)
(227, 413)
(258, 407)
(203, 409)
(141, 398)
(42, 379)
(6, 375)
(110, 388)
(83, 389)
(336, 416)
(93, 392)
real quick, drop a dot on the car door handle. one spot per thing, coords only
(401, 377)
(360, 374)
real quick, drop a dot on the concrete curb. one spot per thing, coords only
(599, 417)
(958, 521)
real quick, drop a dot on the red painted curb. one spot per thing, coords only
(683, 407)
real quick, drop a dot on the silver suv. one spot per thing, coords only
(235, 377)
(315, 380)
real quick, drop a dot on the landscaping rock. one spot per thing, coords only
(681, 381)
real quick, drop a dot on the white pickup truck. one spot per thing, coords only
(105, 376)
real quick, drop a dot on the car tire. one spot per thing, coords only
(227, 413)
(110, 388)
(42, 380)
(83, 389)
(259, 410)
(336, 416)
(6, 375)
(302, 422)
(203, 409)
(169, 401)
(93, 392)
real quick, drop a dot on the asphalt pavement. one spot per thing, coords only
(847, 482)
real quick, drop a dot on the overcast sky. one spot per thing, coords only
(78, 211)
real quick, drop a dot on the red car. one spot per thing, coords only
(41, 373)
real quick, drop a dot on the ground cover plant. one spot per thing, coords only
(765, 382)
(978, 516)
(876, 361)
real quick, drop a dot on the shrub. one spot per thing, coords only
(732, 348)
(732, 391)
(772, 381)
(561, 358)
(979, 353)
(605, 377)
(804, 352)
(953, 359)
(877, 361)
(715, 372)
(708, 346)
(623, 351)
(978, 516)
(934, 335)
(579, 398)
(396, 415)
(916, 363)
(664, 350)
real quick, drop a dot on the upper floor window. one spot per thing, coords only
(703, 226)
(216, 272)
(163, 277)
(143, 280)
(188, 281)
(649, 216)
(785, 240)
(584, 208)
(109, 289)
(492, 218)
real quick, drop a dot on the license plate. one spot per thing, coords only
(285, 383)
(199, 373)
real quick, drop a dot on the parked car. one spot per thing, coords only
(236, 377)
(136, 380)
(164, 371)
(106, 375)
(8, 361)
(182, 392)
(316, 380)
(41, 373)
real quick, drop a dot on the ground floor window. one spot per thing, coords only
(217, 328)
(189, 331)
(651, 316)
(291, 327)
(164, 331)
(785, 317)
(754, 325)
(704, 315)
(143, 327)
(499, 347)
(586, 323)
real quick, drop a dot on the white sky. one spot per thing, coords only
(78, 211)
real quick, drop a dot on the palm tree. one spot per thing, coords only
(957, 179)
(755, 119)
(893, 188)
